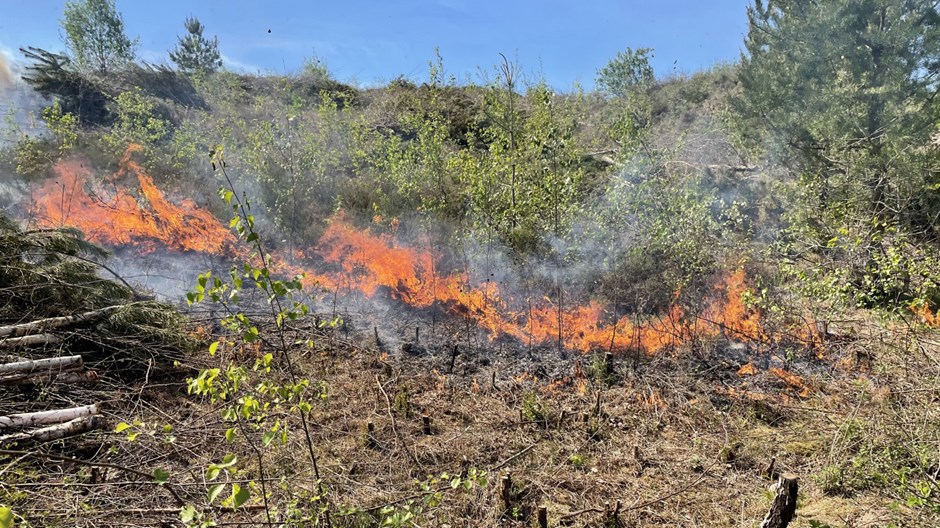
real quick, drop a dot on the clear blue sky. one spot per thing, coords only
(376, 41)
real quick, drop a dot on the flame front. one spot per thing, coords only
(112, 215)
(370, 264)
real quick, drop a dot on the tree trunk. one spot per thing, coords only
(88, 376)
(783, 508)
(30, 340)
(56, 322)
(13, 373)
(53, 432)
(57, 416)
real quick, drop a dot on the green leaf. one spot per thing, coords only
(214, 491)
(267, 438)
(212, 472)
(121, 427)
(188, 514)
(160, 476)
(230, 435)
(228, 461)
(6, 517)
(240, 495)
(213, 348)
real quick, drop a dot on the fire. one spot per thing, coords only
(358, 260)
(113, 215)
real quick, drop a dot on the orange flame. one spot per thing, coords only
(116, 216)
(369, 263)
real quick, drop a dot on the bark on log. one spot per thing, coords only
(29, 340)
(56, 416)
(20, 370)
(783, 508)
(53, 432)
(56, 322)
(89, 376)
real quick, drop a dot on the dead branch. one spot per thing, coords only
(89, 376)
(388, 407)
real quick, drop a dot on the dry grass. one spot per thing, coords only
(680, 440)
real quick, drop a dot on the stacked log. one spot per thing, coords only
(66, 369)
(57, 424)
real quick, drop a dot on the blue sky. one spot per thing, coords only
(375, 41)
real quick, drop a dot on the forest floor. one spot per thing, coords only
(680, 438)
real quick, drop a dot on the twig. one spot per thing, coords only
(646, 503)
(388, 407)
(513, 457)
(49, 456)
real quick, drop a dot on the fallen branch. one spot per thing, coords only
(57, 416)
(645, 503)
(56, 322)
(53, 432)
(388, 407)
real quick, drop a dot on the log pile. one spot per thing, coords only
(66, 369)
(46, 426)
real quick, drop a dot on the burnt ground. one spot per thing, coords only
(681, 438)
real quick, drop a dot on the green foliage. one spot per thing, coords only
(843, 92)
(194, 53)
(62, 125)
(94, 34)
(32, 157)
(534, 409)
(600, 370)
(51, 272)
(402, 403)
(137, 122)
(253, 399)
(630, 70)
(315, 68)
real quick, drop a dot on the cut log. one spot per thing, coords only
(20, 370)
(52, 432)
(56, 322)
(56, 416)
(783, 508)
(88, 376)
(30, 340)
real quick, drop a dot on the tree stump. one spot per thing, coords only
(783, 508)
(543, 517)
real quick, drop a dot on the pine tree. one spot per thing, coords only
(844, 94)
(194, 53)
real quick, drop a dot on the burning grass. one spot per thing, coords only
(348, 260)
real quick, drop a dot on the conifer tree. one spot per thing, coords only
(195, 53)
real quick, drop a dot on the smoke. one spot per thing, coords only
(6, 77)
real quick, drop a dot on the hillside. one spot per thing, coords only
(295, 301)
